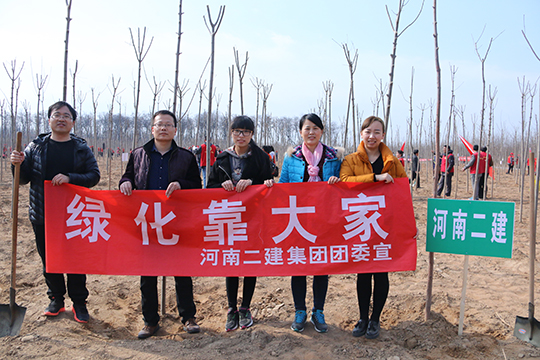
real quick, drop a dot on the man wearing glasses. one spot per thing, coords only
(161, 165)
(62, 158)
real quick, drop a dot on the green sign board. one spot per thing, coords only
(484, 228)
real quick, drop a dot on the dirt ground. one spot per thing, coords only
(497, 292)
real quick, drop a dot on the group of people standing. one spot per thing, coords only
(161, 164)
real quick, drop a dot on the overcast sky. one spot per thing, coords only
(293, 44)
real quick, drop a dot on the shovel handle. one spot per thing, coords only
(15, 212)
(532, 234)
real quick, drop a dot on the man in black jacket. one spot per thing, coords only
(415, 169)
(161, 165)
(62, 158)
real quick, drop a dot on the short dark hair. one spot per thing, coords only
(400, 152)
(314, 118)
(243, 122)
(415, 151)
(165, 112)
(484, 148)
(59, 104)
(475, 147)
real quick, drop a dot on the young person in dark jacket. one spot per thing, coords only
(161, 165)
(63, 158)
(236, 168)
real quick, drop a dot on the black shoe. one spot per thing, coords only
(360, 328)
(373, 329)
(80, 313)
(56, 306)
(191, 326)
(148, 331)
(232, 320)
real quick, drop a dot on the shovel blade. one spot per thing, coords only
(527, 330)
(11, 319)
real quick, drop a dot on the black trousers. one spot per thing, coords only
(149, 299)
(416, 176)
(299, 290)
(445, 177)
(481, 189)
(232, 284)
(380, 294)
(76, 283)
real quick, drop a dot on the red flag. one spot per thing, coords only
(467, 144)
(403, 146)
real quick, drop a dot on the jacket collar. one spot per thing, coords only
(386, 153)
(329, 153)
(150, 145)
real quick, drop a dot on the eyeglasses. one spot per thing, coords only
(237, 132)
(162, 125)
(58, 116)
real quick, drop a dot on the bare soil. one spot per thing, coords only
(497, 292)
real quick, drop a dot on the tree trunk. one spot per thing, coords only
(68, 20)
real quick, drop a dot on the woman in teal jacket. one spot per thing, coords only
(311, 161)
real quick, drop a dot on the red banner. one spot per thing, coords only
(289, 229)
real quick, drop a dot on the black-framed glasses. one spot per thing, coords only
(242, 132)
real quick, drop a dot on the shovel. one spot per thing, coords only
(528, 329)
(12, 315)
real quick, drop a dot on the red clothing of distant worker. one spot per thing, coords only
(482, 165)
(212, 154)
(443, 163)
(402, 161)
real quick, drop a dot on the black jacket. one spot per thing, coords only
(182, 167)
(257, 168)
(86, 171)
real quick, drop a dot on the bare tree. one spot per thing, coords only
(109, 155)
(241, 72)
(328, 87)
(95, 99)
(180, 13)
(156, 88)
(526, 90)
(82, 98)
(431, 259)
(410, 123)
(483, 110)
(453, 71)
(40, 84)
(492, 104)
(74, 75)
(266, 90)
(14, 76)
(202, 87)
(140, 54)
(182, 90)
(213, 28)
(27, 112)
(68, 21)
(351, 62)
(229, 116)
(258, 84)
(397, 34)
